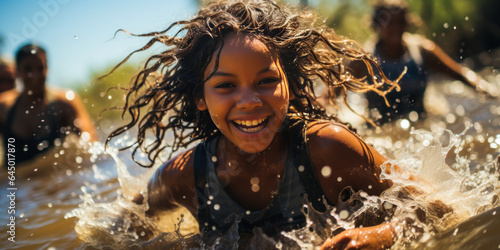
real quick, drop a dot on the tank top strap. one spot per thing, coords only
(305, 168)
(203, 216)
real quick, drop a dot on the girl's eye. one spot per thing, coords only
(269, 80)
(224, 85)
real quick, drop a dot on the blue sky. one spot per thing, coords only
(78, 35)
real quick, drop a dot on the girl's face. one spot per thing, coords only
(247, 97)
(33, 71)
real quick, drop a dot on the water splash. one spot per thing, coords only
(430, 195)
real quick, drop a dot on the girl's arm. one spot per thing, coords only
(172, 185)
(342, 159)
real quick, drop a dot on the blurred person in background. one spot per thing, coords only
(397, 50)
(36, 117)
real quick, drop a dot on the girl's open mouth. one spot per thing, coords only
(251, 126)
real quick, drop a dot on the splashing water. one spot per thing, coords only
(439, 198)
(79, 195)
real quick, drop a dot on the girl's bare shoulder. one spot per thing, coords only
(341, 158)
(333, 143)
(330, 133)
(179, 171)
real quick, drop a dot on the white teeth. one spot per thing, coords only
(250, 126)
(249, 123)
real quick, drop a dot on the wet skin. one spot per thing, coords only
(247, 99)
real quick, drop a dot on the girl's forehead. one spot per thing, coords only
(246, 42)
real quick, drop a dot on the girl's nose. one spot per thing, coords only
(249, 100)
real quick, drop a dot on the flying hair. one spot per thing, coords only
(162, 97)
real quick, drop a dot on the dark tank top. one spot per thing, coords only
(218, 212)
(413, 84)
(27, 148)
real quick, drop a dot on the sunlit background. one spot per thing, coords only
(78, 35)
(80, 39)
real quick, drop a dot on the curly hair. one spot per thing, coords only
(170, 82)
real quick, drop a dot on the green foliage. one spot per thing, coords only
(101, 95)
(463, 28)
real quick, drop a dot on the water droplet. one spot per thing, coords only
(70, 95)
(49, 205)
(254, 181)
(216, 206)
(388, 205)
(445, 25)
(450, 118)
(78, 159)
(301, 168)
(405, 124)
(326, 171)
(455, 232)
(247, 212)
(211, 197)
(339, 179)
(214, 158)
(255, 188)
(343, 214)
(85, 136)
(466, 18)
(370, 187)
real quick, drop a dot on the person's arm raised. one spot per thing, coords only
(438, 60)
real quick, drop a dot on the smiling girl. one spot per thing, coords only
(240, 84)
